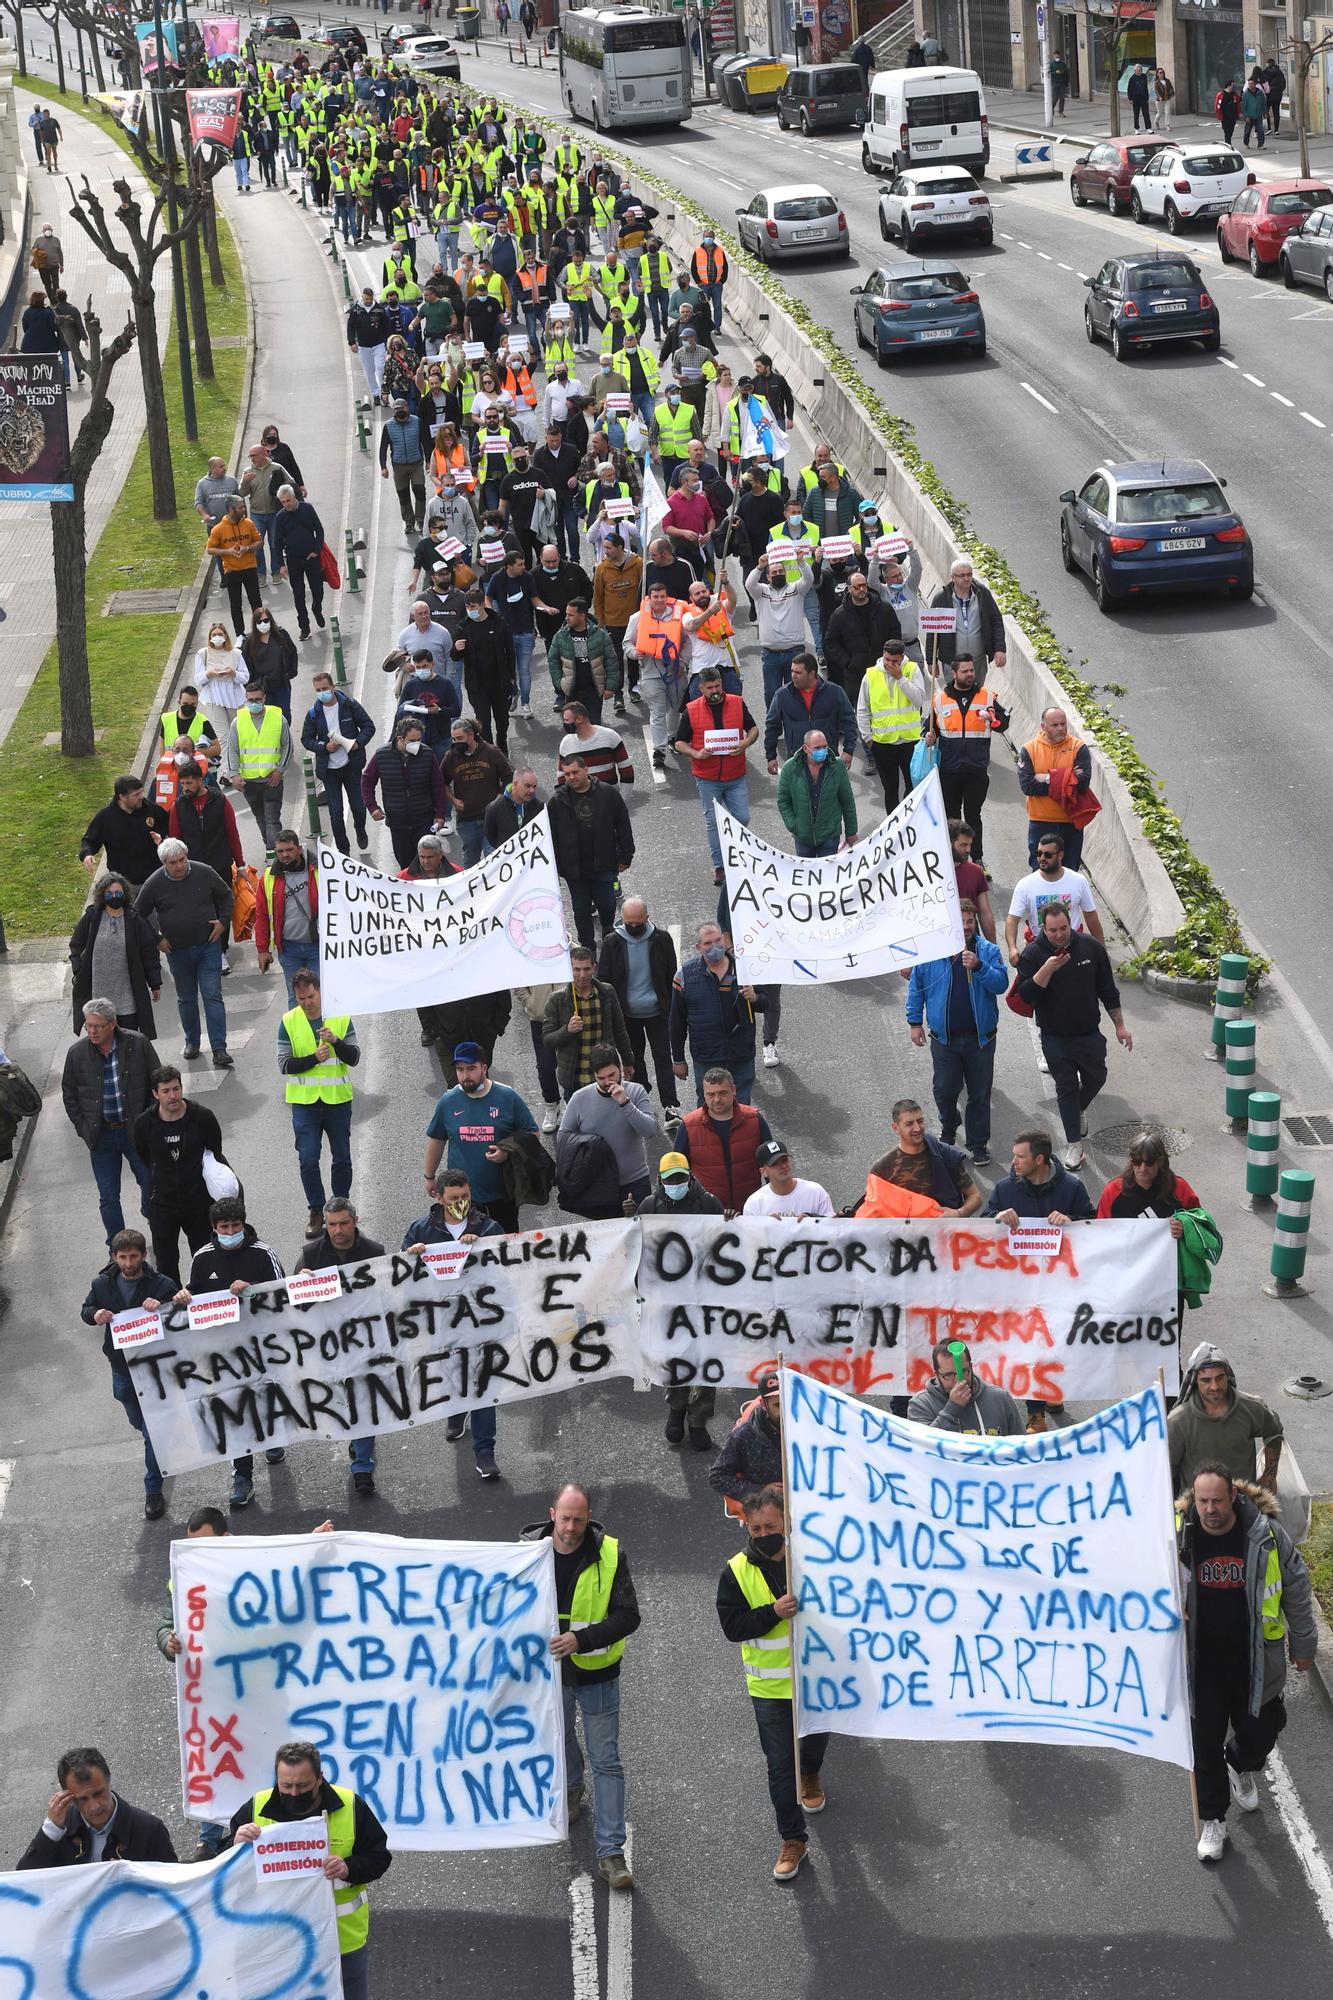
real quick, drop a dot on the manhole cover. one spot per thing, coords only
(1310, 1128)
(1119, 1138)
(127, 603)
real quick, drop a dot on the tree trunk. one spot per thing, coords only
(19, 41)
(96, 45)
(194, 280)
(59, 50)
(76, 694)
(217, 276)
(1113, 94)
(155, 406)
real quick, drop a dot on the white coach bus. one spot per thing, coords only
(624, 66)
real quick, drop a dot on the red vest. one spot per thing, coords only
(731, 1185)
(731, 715)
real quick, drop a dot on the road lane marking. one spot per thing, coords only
(1285, 401)
(1313, 420)
(1046, 256)
(1084, 276)
(658, 777)
(583, 1939)
(1255, 379)
(620, 1934)
(1007, 235)
(6, 1480)
(1022, 245)
(1229, 364)
(1037, 397)
(1066, 267)
(1301, 1835)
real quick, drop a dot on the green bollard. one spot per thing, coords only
(304, 202)
(1261, 1166)
(1291, 1235)
(352, 583)
(311, 796)
(347, 283)
(1233, 972)
(361, 437)
(1241, 1065)
(339, 664)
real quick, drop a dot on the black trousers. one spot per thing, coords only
(964, 795)
(241, 582)
(299, 576)
(653, 1033)
(893, 761)
(405, 837)
(1078, 1070)
(340, 784)
(490, 705)
(1225, 1733)
(166, 1223)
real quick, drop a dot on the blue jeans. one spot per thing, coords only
(812, 620)
(363, 1454)
(963, 1065)
(731, 793)
(471, 832)
(534, 319)
(355, 1969)
(779, 1746)
(241, 168)
(113, 1146)
(567, 528)
(523, 645)
(303, 957)
(742, 1075)
(643, 403)
(482, 1425)
(657, 306)
(776, 663)
(600, 1705)
(310, 1122)
(582, 321)
(196, 974)
(713, 294)
(122, 1388)
(1072, 837)
(812, 850)
(264, 523)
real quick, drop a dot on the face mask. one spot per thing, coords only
(636, 930)
(115, 901)
(230, 1239)
(675, 1190)
(411, 749)
(672, 398)
(793, 520)
(550, 569)
(819, 756)
(715, 700)
(263, 625)
(778, 582)
(218, 645)
(299, 1802)
(189, 708)
(715, 954)
(255, 707)
(328, 697)
(457, 1211)
(767, 1545)
(421, 673)
(476, 616)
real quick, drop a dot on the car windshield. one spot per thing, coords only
(1171, 503)
(846, 82)
(946, 184)
(804, 208)
(1212, 163)
(1155, 277)
(1139, 156)
(941, 285)
(1299, 201)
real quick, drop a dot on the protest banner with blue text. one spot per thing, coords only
(133, 1930)
(1013, 1590)
(402, 1340)
(860, 1305)
(420, 1670)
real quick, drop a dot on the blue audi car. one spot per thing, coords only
(908, 307)
(1159, 524)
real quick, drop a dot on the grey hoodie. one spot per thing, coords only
(1194, 1438)
(999, 1414)
(1268, 1657)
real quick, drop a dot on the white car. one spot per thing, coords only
(922, 200)
(1187, 184)
(434, 54)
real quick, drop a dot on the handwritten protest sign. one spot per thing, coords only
(889, 902)
(300, 1849)
(129, 1929)
(385, 944)
(420, 1670)
(531, 1315)
(861, 1305)
(1018, 1590)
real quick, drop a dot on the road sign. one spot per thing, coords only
(1034, 157)
(1041, 18)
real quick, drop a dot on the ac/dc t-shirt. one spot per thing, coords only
(1221, 1616)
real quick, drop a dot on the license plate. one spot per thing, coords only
(927, 145)
(1189, 542)
(951, 218)
(1217, 207)
(1171, 306)
(937, 333)
(804, 235)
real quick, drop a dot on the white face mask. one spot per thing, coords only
(411, 749)
(218, 645)
(263, 625)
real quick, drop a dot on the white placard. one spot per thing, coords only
(308, 1288)
(450, 547)
(889, 548)
(445, 1261)
(837, 548)
(1036, 1239)
(559, 312)
(135, 1328)
(297, 1847)
(722, 741)
(619, 509)
(782, 550)
(474, 350)
(213, 1309)
(618, 403)
(937, 618)
(494, 447)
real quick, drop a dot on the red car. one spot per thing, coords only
(1260, 218)
(1105, 173)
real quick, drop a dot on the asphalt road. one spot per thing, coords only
(1057, 1872)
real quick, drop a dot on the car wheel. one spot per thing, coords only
(1287, 278)
(1242, 592)
(882, 355)
(1114, 205)
(986, 238)
(909, 240)
(1171, 217)
(1075, 191)
(867, 163)
(1211, 342)
(1067, 548)
(1088, 326)
(1257, 264)
(856, 329)
(1328, 286)
(884, 229)
(1136, 208)
(805, 126)
(1222, 250)
(978, 352)
(1107, 599)
(1119, 345)
(596, 119)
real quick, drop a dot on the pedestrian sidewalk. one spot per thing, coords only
(25, 572)
(1019, 113)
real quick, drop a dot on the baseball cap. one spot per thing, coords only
(400, 402)
(672, 1164)
(867, 507)
(769, 1153)
(768, 1382)
(469, 1052)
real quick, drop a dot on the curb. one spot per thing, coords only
(1194, 992)
(1321, 1673)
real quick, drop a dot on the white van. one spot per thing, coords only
(926, 118)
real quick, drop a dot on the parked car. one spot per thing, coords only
(824, 98)
(925, 199)
(433, 54)
(1188, 184)
(801, 220)
(1159, 524)
(904, 306)
(750, 82)
(347, 40)
(1306, 258)
(1143, 300)
(279, 27)
(1261, 218)
(1104, 174)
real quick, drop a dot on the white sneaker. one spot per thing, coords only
(1073, 1156)
(551, 1118)
(226, 963)
(1043, 1067)
(525, 713)
(771, 1056)
(1083, 1125)
(1212, 1840)
(1244, 1789)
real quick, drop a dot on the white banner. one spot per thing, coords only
(385, 945)
(884, 905)
(128, 1930)
(1012, 1590)
(399, 1345)
(421, 1672)
(861, 1305)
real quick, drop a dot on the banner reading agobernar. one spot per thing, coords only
(128, 1929)
(1012, 1590)
(394, 1347)
(889, 902)
(860, 1305)
(421, 1671)
(386, 944)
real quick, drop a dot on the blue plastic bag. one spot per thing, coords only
(924, 759)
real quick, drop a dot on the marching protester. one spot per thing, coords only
(86, 1821)
(105, 1086)
(317, 1054)
(751, 1459)
(453, 1217)
(614, 1111)
(340, 1242)
(956, 1399)
(180, 1142)
(1217, 1422)
(128, 1283)
(1065, 977)
(955, 1001)
(234, 1258)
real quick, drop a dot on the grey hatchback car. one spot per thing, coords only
(1306, 256)
(825, 97)
(801, 220)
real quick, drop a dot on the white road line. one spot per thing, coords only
(1066, 267)
(1006, 235)
(6, 1480)
(1319, 426)
(1285, 401)
(1083, 275)
(1046, 256)
(658, 777)
(1037, 397)
(620, 1935)
(1301, 1835)
(1022, 245)
(1255, 379)
(1230, 364)
(583, 1938)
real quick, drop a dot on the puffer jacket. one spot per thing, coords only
(750, 1459)
(1268, 1657)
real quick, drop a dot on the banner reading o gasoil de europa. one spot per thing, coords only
(385, 944)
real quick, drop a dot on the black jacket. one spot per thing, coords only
(141, 952)
(489, 666)
(776, 390)
(697, 1201)
(500, 821)
(433, 1228)
(298, 534)
(81, 1082)
(992, 626)
(216, 1270)
(370, 1857)
(126, 839)
(319, 1254)
(608, 845)
(750, 1459)
(1072, 1003)
(622, 1611)
(353, 724)
(369, 326)
(855, 636)
(176, 1173)
(134, 1835)
(205, 833)
(104, 1296)
(275, 663)
(613, 967)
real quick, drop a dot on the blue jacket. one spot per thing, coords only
(353, 725)
(829, 711)
(928, 992)
(1063, 1194)
(711, 1014)
(432, 1228)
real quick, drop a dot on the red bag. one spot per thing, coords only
(328, 567)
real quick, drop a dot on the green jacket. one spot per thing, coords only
(601, 658)
(1198, 1248)
(837, 807)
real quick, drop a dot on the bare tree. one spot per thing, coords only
(68, 530)
(14, 9)
(135, 252)
(111, 25)
(1113, 36)
(1301, 57)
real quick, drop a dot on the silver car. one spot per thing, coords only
(796, 221)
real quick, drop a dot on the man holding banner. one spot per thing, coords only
(358, 1847)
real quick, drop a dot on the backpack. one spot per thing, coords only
(587, 1178)
(19, 1096)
